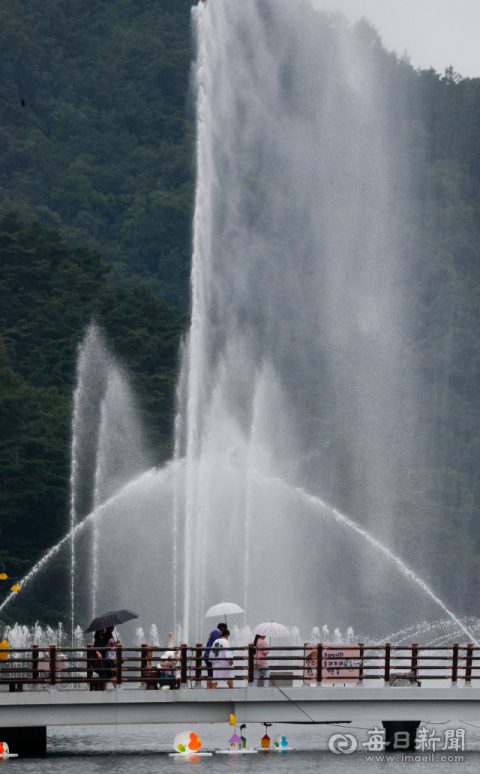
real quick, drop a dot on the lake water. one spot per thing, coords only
(144, 750)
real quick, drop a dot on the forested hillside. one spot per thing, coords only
(444, 494)
(97, 160)
(96, 132)
(441, 496)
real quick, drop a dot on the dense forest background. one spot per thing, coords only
(96, 130)
(96, 197)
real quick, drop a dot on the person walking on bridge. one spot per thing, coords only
(98, 663)
(111, 655)
(260, 663)
(214, 635)
(222, 660)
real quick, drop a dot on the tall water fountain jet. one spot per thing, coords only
(89, 384)
(107, 452)
(120, 452)
(296, 273)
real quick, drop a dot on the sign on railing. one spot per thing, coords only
(341, 664)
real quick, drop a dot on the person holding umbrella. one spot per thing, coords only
(260, 663)
(223, 608)
(107, 622)
(214, 635)
(98, 665)
(105, 663)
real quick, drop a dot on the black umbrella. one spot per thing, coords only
(112, 618)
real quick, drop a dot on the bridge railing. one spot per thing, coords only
(320, 664)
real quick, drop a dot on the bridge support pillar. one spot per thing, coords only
(401, 734)
(28, 742)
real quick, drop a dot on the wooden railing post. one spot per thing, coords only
(34, 662)
(414, 664)
(468, 664)
(90, 665)
(183, 663)
(319, 663)
(360, 670)
(119, 665)
(387, 663)
(198, 665)
(251, 654)
(455, 663)
(53, 665)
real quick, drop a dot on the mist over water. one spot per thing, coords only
(294, 368)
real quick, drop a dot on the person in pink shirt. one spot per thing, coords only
(260, 663)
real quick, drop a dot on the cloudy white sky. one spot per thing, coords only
(435, 33)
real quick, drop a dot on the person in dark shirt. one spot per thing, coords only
(214, 635)
(110, 662)
(98, 663)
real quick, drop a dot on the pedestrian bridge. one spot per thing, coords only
(325, 704)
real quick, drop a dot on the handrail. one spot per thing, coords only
(55, 666)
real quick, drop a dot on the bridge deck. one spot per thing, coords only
(60, 707)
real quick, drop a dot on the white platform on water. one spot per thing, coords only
(62, 707)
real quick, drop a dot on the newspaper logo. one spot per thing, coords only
(425, 741)
(342, 744)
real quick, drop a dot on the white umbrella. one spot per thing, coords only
(271, 629)
(224, 608)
